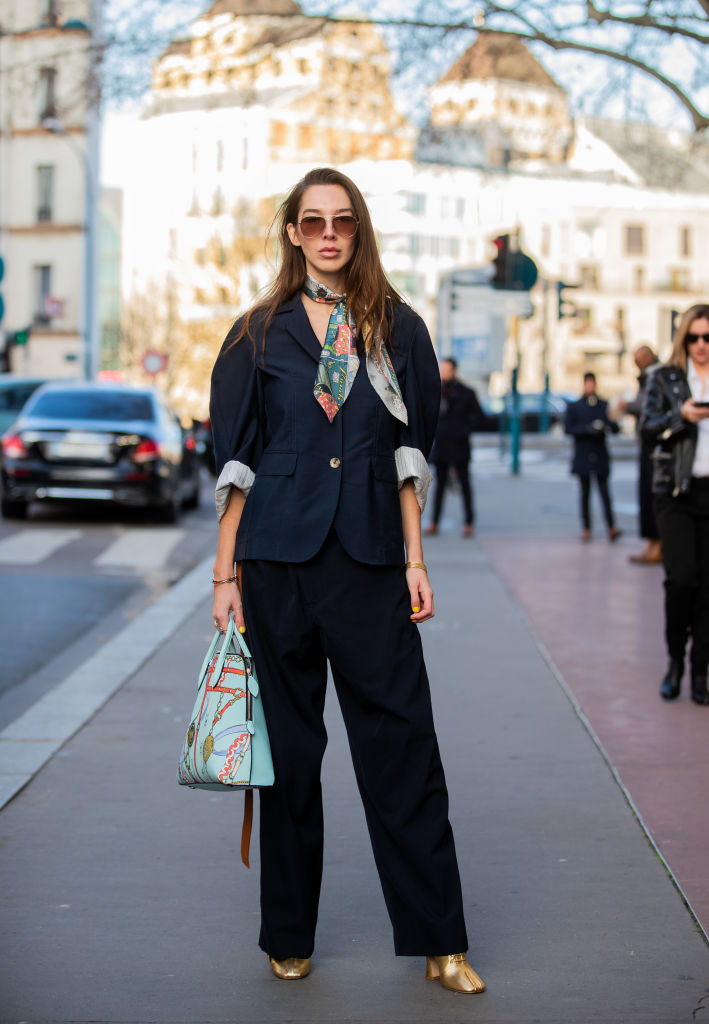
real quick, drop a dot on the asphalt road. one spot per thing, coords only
(72, 574)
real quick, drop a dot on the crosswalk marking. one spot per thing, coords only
(30, 547)
(142, 549)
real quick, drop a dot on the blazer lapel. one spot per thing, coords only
(297, 324)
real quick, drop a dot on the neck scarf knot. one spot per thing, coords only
(339, 361)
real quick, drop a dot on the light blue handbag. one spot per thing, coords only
(226, 746)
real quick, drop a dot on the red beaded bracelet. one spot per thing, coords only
(229, 579)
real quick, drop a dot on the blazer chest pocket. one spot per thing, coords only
(385, 469)
(277, 464)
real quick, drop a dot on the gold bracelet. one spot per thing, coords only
(416, 565)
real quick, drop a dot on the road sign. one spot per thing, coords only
(154, 362)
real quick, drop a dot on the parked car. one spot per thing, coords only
(499, 410)
(205, 443)
(99, 442)
(14, 392)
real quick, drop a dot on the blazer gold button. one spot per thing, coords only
(335, 463)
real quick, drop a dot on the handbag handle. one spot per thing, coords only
(231, 636)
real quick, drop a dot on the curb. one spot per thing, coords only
(33, 738)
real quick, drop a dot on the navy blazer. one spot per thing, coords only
(304, 475)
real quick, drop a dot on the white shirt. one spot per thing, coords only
(700, 466)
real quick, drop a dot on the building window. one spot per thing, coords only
(639, 279)
(302, 65)
(590, 277)
(680, 279)
(545, 243)
(685, 241)
(305, 136)
(45, 192)
(47, 93)
(415, 202)
(49, 13)
(42, 292)
(460, 208)
(634, 239)
(279, 132)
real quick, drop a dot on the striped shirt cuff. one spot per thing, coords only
(411, 465)
(234, 474)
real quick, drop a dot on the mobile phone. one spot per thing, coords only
(701, 405)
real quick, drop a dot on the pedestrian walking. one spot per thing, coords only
(324, 403)
(646, 362)
(676, 419)
(460, 415)
(588, 422)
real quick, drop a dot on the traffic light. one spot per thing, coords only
(514, 269)
(564, 308)
(499, 279)
(20, 337)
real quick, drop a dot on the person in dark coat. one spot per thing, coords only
(588, 422)
(646, 362)
(324, 405)
(676, 420)
(460, 415)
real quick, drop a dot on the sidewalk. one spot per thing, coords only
(126, 901)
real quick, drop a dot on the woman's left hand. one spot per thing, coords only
(421, 595)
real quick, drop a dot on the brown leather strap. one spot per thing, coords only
(246, 827)
(249, 793)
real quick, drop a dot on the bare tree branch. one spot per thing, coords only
(643, 21)
(534, 34)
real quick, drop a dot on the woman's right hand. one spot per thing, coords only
(227, 600)
(693, 413)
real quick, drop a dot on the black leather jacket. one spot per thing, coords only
(661, 421)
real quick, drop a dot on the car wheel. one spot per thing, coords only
(169, 511)
(14, 509)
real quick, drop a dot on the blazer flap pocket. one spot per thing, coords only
(277, 464)
(385, 468)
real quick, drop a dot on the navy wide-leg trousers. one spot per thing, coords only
(356, 616)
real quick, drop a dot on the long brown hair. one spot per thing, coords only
(371, 298)
(678, 356)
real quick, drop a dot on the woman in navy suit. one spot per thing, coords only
(324, 403)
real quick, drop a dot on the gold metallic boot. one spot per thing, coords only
(454, 972)
(291, 969)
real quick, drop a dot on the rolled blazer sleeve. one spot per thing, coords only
(235, 411)
(422, 397)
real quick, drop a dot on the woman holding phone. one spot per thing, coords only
(676, 416)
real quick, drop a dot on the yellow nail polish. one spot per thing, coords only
(242, 629)
(416, 608)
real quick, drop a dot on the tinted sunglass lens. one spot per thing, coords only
(691, 338)
(312, 226)
(345, 226)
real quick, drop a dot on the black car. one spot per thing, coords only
(14, 392)
(99, 442)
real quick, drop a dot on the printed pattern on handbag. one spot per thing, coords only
(219, 745)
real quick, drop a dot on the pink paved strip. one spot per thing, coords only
(601, 620)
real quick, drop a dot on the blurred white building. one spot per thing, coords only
(248, 102)
(47, 145)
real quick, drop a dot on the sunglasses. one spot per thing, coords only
(691, 338)
(343, 224)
